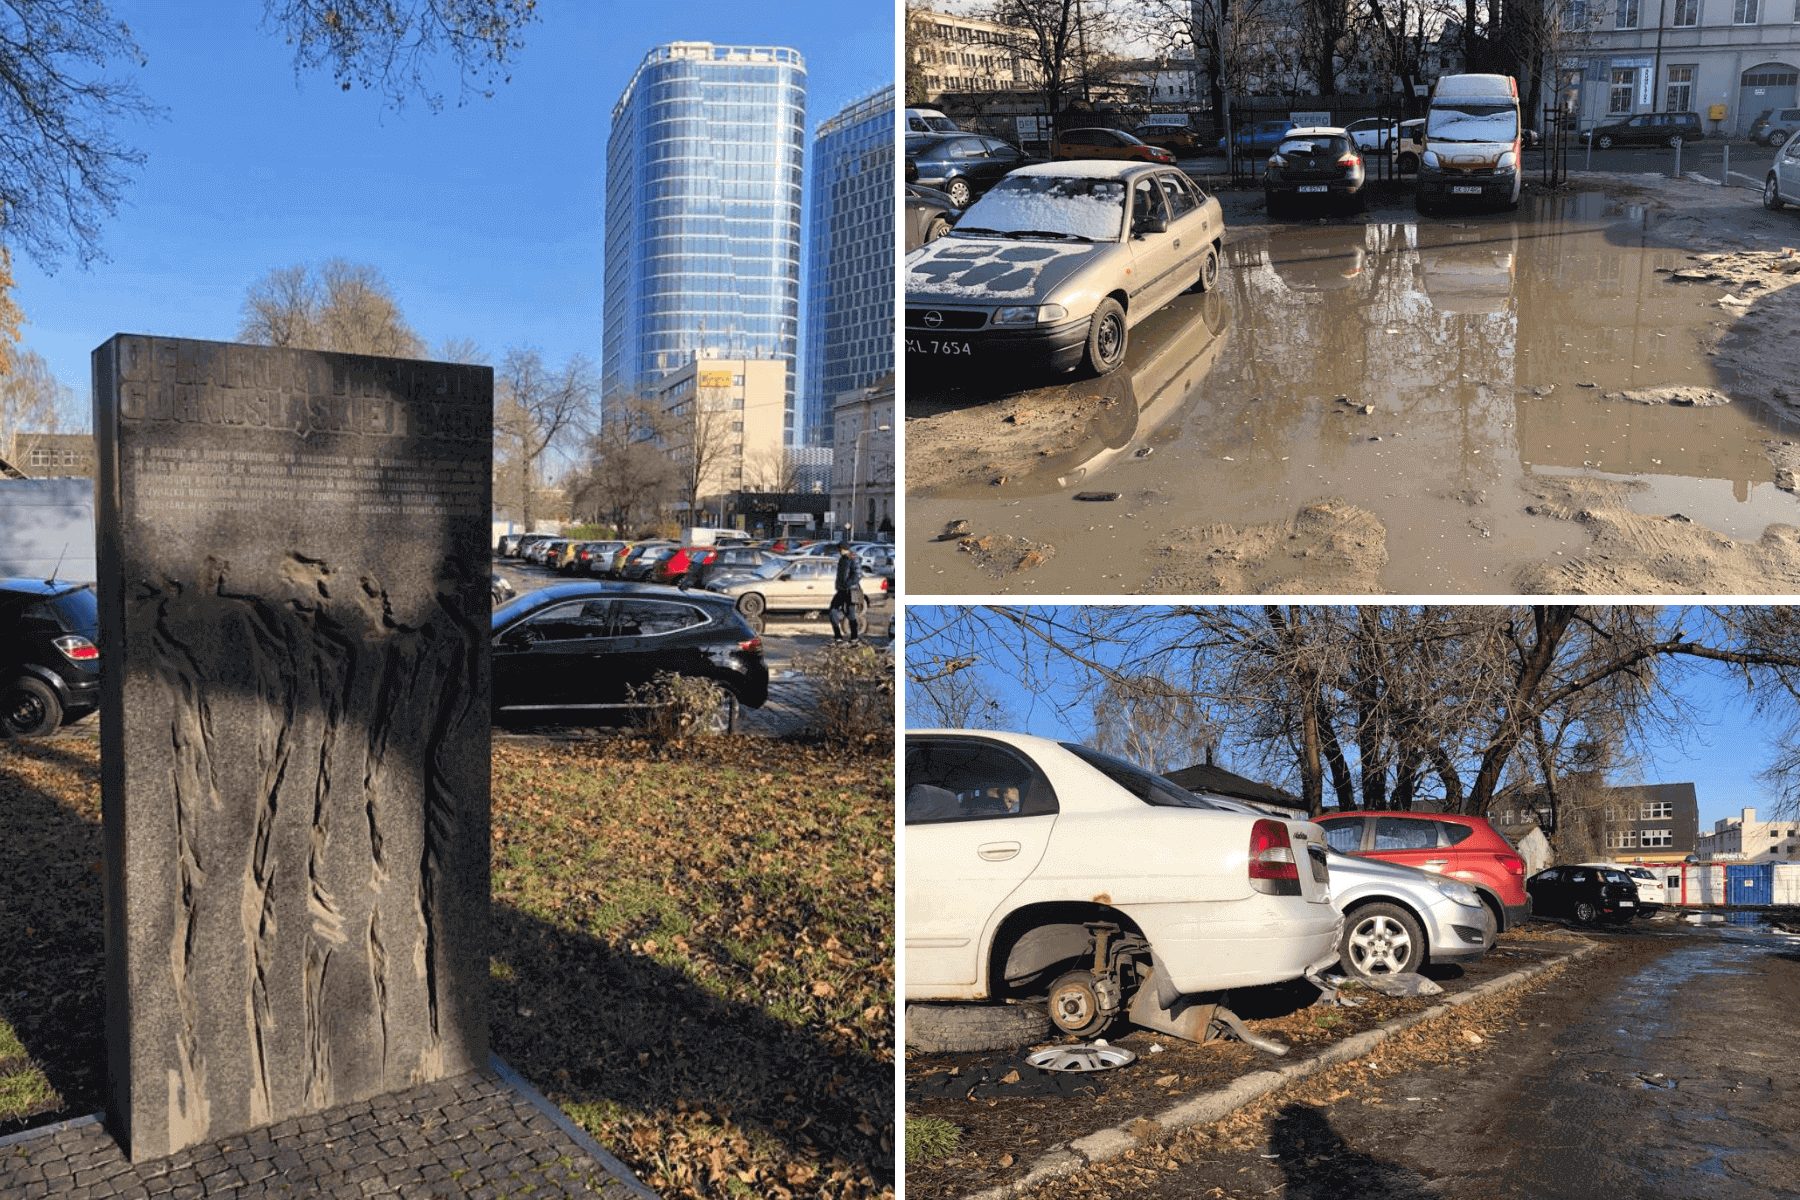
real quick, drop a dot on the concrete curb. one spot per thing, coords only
(1114, 1141)
(619, 1171)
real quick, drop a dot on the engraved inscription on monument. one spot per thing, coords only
(294, 734)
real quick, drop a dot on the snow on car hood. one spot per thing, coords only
(987, 271)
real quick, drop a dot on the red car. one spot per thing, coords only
(1465, 848)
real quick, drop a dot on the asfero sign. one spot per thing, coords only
(293, 570)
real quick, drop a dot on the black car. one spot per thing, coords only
(962, 166)
(1590, 895)
(929, 215)
(49, 657)
(583, 647)
(1648, 129)
(1314, 163)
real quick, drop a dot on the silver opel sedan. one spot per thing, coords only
(1057, 262)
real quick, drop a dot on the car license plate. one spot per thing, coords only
(1627, 903)
(1465, 191)
(934, 346)
(1313, 187)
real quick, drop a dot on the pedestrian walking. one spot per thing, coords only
(845, 626)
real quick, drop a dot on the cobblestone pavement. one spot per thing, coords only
(484, 1135)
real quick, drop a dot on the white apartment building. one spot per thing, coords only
(950, 52)
(1746, 839)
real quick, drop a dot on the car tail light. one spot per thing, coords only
(1512, 864)
(1350, 160)
(753, 646)
(1273, 870)
(77, 649)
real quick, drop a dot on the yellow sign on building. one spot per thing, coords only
(713, 379)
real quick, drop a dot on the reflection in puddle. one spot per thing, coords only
(1427, 372)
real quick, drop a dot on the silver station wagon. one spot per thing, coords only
(1057, 262)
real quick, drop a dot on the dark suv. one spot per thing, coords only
(1649, 129)
(49, 662)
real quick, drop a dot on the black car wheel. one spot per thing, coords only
(938, 228)
(1604, 141)
(1409, 163)
(1381, 939)
(751, 604)
(28, 708)
(1209, 269)
(1075, 1005)
(1587, 912)
(959, 193)
(1772, 193)
(1106, 338)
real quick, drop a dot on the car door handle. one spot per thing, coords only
(1178, 243)
(998, 851)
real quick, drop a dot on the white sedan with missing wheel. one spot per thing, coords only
(1037, 868)
(1056, 263)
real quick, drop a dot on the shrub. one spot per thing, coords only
(855, 693)
(677, 707)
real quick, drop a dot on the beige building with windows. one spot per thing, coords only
(1727, 60)
(862, 474)
(951, 52)
(1746, 839)
(729, 412)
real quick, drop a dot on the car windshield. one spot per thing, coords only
(1151, 789)
(1473, 123)
(1086, 208)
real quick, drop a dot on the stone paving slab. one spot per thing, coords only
(485, 1135)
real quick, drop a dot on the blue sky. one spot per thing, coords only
(485, 219)
(1720, 755)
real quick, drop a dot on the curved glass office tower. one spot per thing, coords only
(703, 179)
(850, 270)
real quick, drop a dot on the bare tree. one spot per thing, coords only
(946, 694)
(1152, 722)
(771, 469)
(536, 408)
(32, 402)
(389, 46)
(1060, 41)
(62, 169)
(344, 306)
(1219, 33)
(628, 474)
(461, 350)
(704, 438)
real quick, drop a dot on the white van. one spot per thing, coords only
(1472, 142)
(929, 120)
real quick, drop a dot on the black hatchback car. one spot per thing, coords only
(583, 647)
(1590, 895)
(49, 660)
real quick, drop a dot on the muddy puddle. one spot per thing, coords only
(1383, 405)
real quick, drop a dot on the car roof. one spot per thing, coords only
(41, 587)
(610, 589)
(1316, 130)
(1091, 168)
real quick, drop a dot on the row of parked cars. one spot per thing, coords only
(1046, 870)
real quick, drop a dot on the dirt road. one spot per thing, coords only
(1654, 1068)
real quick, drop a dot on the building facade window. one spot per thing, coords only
(1657, 810)
(1622, 841)
(1743, 12)
(1687, 13)
(1626, 15)
(1657, 837)
(1624, 82)
(1681, 93)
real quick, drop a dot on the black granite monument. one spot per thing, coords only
(294, 734)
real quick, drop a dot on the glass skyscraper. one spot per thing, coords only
(850, 258)
(703, 179)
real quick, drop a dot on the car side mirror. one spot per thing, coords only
(1145, 225)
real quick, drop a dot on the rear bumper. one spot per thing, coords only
(1209, 947)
